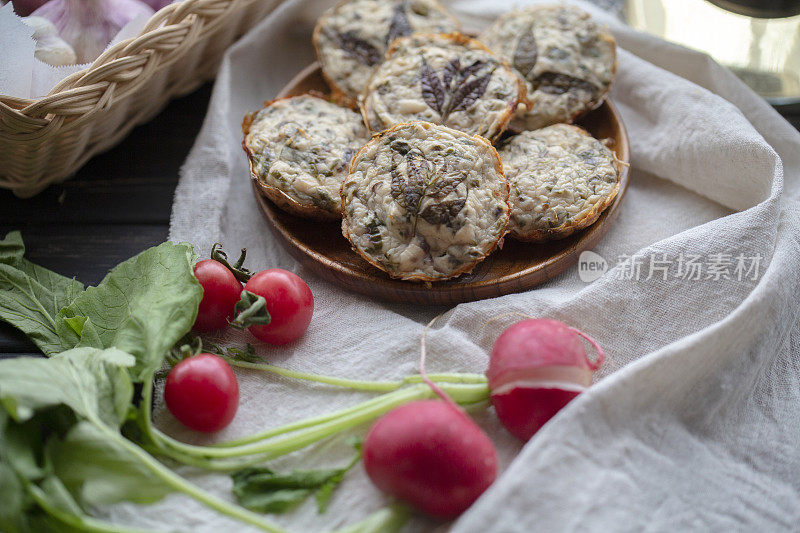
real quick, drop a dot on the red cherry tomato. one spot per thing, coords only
(202, 392)
(289, 302)
(221, 291)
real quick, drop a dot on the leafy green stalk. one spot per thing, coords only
(387, 520)
(247, 358)
(83, 458)
(76, 521)
(358, 384)
(181, 485)
(291, 437)
(143, 306)
(61, 450)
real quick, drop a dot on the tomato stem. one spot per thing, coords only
(237, 269)
(251, 310)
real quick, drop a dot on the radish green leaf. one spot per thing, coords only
(263, 490)
(143, 306)
(31, 297)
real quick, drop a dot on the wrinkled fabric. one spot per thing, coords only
(694, 420)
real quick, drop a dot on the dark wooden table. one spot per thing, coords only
(115, 207)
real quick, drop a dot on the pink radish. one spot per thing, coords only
(537, 366)
(432, 455)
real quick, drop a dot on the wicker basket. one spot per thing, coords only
(47, 140)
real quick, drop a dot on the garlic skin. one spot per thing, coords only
(89, 25)
(50, 48)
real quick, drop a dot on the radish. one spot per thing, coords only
(430, 453)
(432, 456)
(537, 366)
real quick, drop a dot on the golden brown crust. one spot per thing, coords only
(600, 99)
(275, 195)
(512, 108)
(458, 39)
(565, 230)
(468, 267)
(338, 95)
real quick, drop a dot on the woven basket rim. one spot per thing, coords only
(170, 15)
(45, 140)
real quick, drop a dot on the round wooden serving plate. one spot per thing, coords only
(518, 266)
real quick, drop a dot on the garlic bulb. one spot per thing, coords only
(50, 48)
(89, 25)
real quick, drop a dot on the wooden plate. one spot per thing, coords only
(517, 267)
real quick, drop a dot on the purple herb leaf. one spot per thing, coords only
(450, 71)
(398, 185)
(401, 147)
(468, 93)
(445, 184)
(471, 69)
(555, 83)
(443, 212)
(526, 54)
(415, 186)
(432, 90)
(359, 49)
(399, 25)
(348, 155)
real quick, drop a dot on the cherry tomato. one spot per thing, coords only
(202, 392)
(289, 302)
(221, 291)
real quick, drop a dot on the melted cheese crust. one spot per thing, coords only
(369, 21)
(425, 202)
(395, 94)
(567, 42)
(303, 146)
(561, 179)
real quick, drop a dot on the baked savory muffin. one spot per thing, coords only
(299, 149)
(446, 79)
(425, 202)
(561, 180)
(566, 59)
(351, 38)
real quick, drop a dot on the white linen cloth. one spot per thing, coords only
(694, 421)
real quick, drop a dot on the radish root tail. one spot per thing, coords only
(601, 356)
(422, 355)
